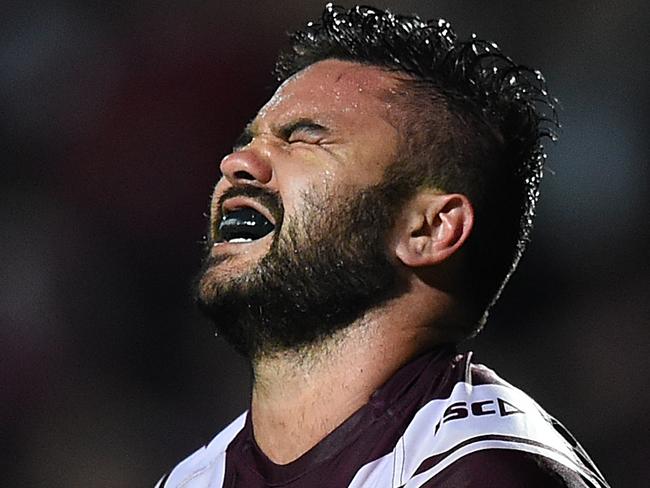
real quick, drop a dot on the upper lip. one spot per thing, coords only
(236, 203)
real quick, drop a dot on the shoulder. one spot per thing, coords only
(207, 464)
(476, 420)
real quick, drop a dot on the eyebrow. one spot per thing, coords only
(284, 131)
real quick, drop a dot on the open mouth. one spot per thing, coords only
(242, 225)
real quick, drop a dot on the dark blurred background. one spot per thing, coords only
(113, 119)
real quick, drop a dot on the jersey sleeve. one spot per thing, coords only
(479, 436)
(502, 468)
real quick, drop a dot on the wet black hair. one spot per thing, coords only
(473, 122)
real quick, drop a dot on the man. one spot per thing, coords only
(366, 221)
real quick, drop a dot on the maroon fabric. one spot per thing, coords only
(374, 430)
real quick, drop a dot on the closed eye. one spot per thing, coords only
(303, 130)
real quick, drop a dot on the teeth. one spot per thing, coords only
(240, 239)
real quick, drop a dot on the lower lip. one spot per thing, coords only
(230, 246)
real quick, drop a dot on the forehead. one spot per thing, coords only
(331, 89)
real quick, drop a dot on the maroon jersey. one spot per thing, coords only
(440, 421)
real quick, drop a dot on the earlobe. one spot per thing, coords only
(434, 227)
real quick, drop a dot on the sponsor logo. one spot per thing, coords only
(482, 408)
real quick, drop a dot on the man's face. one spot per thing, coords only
(300, 218)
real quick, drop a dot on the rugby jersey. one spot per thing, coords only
(440, 421)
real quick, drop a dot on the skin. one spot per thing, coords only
(342, 137)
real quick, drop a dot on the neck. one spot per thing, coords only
(301, 396)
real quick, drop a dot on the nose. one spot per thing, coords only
(246, 166)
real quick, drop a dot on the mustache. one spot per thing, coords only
(268, 198)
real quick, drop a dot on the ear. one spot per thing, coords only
(432, 228)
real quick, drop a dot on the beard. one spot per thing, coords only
(323, 272)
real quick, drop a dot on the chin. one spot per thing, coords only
(225, 267)
(227, 261)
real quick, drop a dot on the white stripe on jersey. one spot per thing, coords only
(421, 478)
(207, 466)
(473, 418)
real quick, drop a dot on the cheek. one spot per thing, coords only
(306, 177)
(370, 164)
